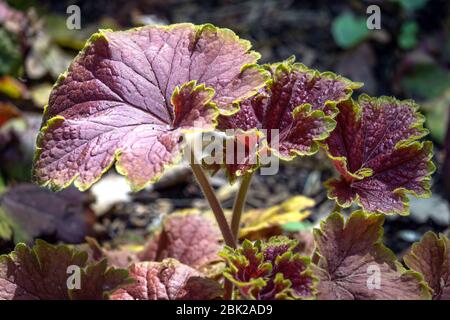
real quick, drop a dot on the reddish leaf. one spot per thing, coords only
(431, 257)
(374, 148)
(271, 270)
(43, 273)
(354, 264)
(130, 95)
(190, 238)
(167, 280)
(299, 102)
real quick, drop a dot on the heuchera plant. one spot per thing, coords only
(130, 96)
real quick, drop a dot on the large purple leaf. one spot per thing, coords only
(298, 102)
(129, 96)
(353, 264)
(375, 149)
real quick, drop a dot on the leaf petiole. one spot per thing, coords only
(239, 204)
(214, 204)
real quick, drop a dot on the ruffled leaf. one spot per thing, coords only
(298, 102)
(43, 273)
(129, 96)
(352, 263)
(431, 257)
(167, 280)
(270, 270)
(375, 149)
(193, 239)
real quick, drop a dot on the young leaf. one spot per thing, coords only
(431, 257)
(129, 96)
(192, 239)
(299, 102)
(352, 262)
(270, 270)
(375, 149)
(43, 272)
(167, 280)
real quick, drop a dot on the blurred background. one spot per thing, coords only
(408, 57)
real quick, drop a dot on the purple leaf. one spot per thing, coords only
(353, 264)
(375, 149)
(298, 102)
(130, 95)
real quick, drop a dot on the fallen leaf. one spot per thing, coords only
(263, 223)
(39, 212)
